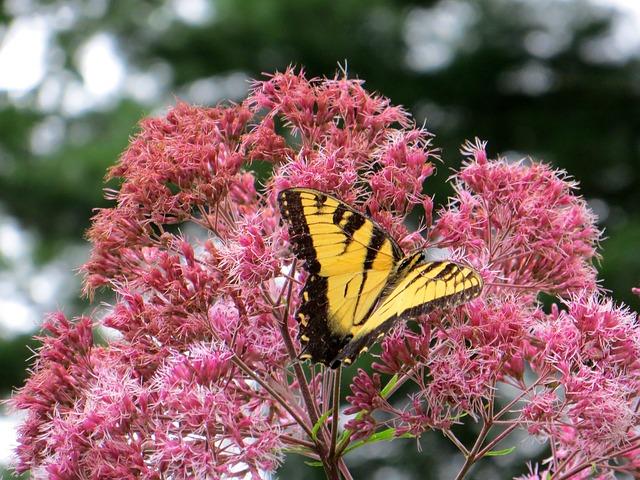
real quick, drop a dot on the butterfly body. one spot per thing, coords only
(359, 281)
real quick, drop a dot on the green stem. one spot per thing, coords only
(336, 412)
(299, 373)
(472, 457)
(245, 368)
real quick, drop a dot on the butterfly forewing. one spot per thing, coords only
(349, 259)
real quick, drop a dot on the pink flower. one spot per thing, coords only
(365, 392)
(178, 165)
(353, 142)
(522, 223)
(541, 412)
(592, 346)
(57, 381)
(599, 408)
(403, 349)
(535, 474)
(592, 329)
(251, 256)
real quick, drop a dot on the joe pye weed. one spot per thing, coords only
(202, 379)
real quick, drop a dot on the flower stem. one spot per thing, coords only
(302, 380)
(497, 440)
(330, 465)
(451, 436)
(519, 397)
(297, 442)
(336, 412)
(344, 470)
(473, 454)
(245, 368)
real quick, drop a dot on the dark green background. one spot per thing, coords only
(526, 76)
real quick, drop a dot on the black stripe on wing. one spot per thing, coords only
(292, 212)
(351, 351)
(320, 344)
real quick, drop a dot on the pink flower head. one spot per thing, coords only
(459, 379)
(535, 474)
(252, 255)
(365, 392)
(57, 382)
(591, 329)
(211, 411)
(541, 412)
(351, 142)
(499, 326)
(599, 409)
(591, 348)
(522, 222)
(403, 349)
(179, 165)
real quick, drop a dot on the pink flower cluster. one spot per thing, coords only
(592, 349)
(522, 223)
(201, 379)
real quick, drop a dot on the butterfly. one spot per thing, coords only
(359, 283)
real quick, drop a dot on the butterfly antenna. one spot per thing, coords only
(367, 211)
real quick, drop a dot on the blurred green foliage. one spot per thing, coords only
(520, 74)
(20, 347)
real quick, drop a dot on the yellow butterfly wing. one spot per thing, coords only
(349, 260)
(359, 283)
(418, 287)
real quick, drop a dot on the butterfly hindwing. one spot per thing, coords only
(348, 258)
(359, 283)
(418, 287)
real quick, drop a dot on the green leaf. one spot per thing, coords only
(343, 437)
(386, 391)
(499, 453)
(298, 451)
(314, 464)
(319, 423)
(382, 436)
(455, 418)
(389, 386)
